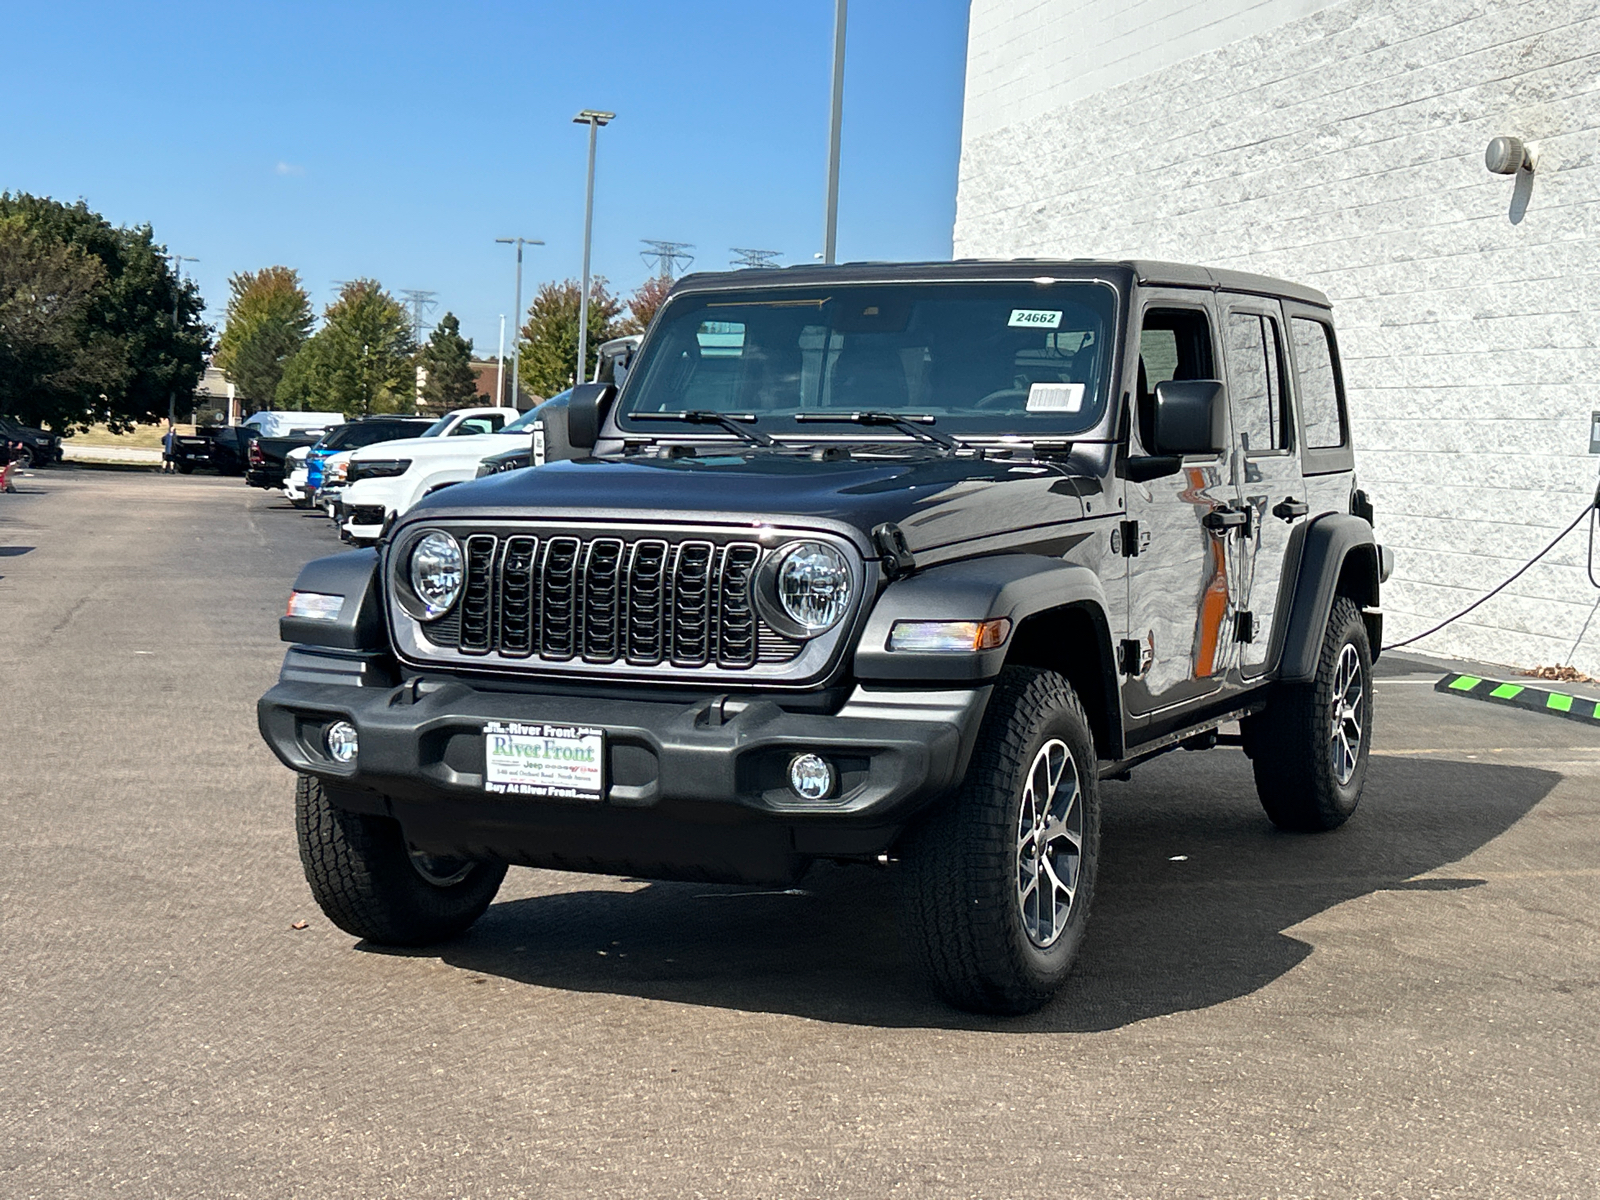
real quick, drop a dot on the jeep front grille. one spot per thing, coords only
(634, 601)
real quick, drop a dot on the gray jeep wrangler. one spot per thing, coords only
(882, 563)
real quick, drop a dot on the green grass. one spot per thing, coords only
(145, 437)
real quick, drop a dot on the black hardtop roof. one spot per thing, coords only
(1144, 271)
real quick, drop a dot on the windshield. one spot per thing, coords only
(983, 359)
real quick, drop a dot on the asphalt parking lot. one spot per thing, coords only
(1404, 1008)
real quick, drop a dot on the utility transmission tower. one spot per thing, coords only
(754, 259)
(421, 303)
(666, 256)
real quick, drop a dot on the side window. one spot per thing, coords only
(471, 426)
(1255, 382)
(1175, 343)
(1321, 393)
(495, 420)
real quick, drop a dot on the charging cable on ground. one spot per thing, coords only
(1591, 512)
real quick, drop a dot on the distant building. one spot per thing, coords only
(487, 370)
(1343, 145)
(215, 400)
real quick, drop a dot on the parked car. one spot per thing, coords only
(186, 451)
(879, 564)
(264, 459)
(386, 479)
(296, 489)
(506, 460)
(230, 448)
(37, 447)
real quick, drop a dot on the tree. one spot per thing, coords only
(359, 362)
(49, 353)
(644, 303)
(140, 324)
(303, 382)
(269, 319)
(550, 337)
(447, 365)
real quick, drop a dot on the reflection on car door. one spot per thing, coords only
(1266, 470)
(1180, 601)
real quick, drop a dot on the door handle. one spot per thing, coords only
(1222, 519)
(1289, 508)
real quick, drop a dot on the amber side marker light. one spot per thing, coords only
(950, 637)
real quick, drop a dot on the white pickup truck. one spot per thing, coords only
(328, 482)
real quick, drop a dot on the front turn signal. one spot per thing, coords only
(949, 637)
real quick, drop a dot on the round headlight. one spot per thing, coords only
(436, 573)
(813, 585)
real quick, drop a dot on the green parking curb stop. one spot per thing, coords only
(1517, 695)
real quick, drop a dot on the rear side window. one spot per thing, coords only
(1255, 382)
(1321, 390)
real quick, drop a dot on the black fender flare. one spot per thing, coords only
(1016, 586)
(359, 624)
(1329, 543)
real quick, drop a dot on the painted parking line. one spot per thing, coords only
(1517, 695)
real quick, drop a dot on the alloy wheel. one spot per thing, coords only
(1049, 843)
(1349, 694)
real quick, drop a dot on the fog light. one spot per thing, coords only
(811, 777)
(341, 741)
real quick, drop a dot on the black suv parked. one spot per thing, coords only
(876, 564)
(38, 448)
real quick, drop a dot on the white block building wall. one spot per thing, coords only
(1342, 145)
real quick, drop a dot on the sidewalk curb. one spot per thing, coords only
(1517, 695)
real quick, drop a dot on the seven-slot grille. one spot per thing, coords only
(643, 601)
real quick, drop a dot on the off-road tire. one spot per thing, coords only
(25, 458)
(959, 872)
(362, 875)
(1290, 743)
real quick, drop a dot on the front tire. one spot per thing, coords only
(25, 458)
(373, 886)
(997, 881)
(1310, 747)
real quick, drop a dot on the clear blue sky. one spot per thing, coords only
(397, 140)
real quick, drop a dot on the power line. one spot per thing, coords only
(754, 259)
(421, 302)
(666, 256)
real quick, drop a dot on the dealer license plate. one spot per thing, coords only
(566, 761)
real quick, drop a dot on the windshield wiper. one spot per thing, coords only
(910, 424)
(734, 423)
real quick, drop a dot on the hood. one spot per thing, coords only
(463, 445)
(936, 501)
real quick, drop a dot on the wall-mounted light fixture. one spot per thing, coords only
(1507, 156)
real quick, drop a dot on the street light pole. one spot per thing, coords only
(516, 344)
(835, 121)
(593, 119)
(177, 300)
(500, 365)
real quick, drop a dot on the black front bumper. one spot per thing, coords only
(693, 789)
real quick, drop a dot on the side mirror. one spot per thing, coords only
(1191, 417)
(586, 412)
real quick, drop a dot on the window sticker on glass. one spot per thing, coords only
(1035, 318)
(1055, 397)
